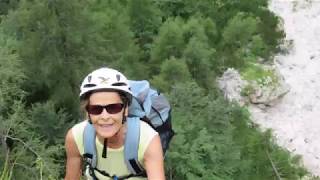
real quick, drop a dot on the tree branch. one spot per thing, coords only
(4, 144)
(24, 144)
(29, 148)
(273, 166)
(25, 167)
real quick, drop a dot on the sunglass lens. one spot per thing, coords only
(94, 109)
(114, 108)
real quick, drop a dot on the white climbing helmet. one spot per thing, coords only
(105, 78)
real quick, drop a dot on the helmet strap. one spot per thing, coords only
(89, 120)
(124, 118)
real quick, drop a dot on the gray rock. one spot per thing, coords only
(262, 91)
(231, 84)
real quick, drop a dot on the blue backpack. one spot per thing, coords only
(147, 105)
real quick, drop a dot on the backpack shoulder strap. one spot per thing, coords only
(132, 144)
(89, 143)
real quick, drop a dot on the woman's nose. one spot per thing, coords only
(104, 113)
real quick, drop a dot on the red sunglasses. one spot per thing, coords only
(110, 108)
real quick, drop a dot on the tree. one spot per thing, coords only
(6, 6)
(237, 36)
(169, 43)
(145, 20)
(111, 41)
(202, 148)
(239, 30)
(173, 71)
(22, 153)
(199, 55)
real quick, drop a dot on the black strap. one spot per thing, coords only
(155, 110)
(104, 173)
(165, 126)
(135, 166)
(104, 151)
(142, 174)
(91, 170)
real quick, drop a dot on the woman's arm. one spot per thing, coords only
(153, 160)
(73, 167)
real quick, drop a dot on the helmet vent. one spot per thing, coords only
(89, 85)
(119, 84)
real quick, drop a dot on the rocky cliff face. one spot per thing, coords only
(295, 118)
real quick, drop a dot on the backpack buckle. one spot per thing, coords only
(88, 158)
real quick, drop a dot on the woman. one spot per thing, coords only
(105, 96)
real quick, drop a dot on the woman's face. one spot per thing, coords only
(107, 124)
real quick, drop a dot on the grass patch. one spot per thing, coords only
(257, 76)
(254, 71)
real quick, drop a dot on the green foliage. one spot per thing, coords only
(202, 146)
(254, 71)
(258, 46)
(27, 148)
(198, 58)
(6, 172)
(42, 39)
(49, 124)
(264, 77)
(237, 37)
(145, 19)
(211, 31)
(16, 126)
(169, 43)
(110, 33)
(173, 71)
(259, 152)
(239, 30)
(270, 33)
(6, 6)
(11, 75)
(112, 42)
(190, 43)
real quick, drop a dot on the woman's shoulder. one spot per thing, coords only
(79, 127)
(146, 135)
(77, 132)
(80, 124)
(146, 129)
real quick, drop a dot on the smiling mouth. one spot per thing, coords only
(106, 126)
